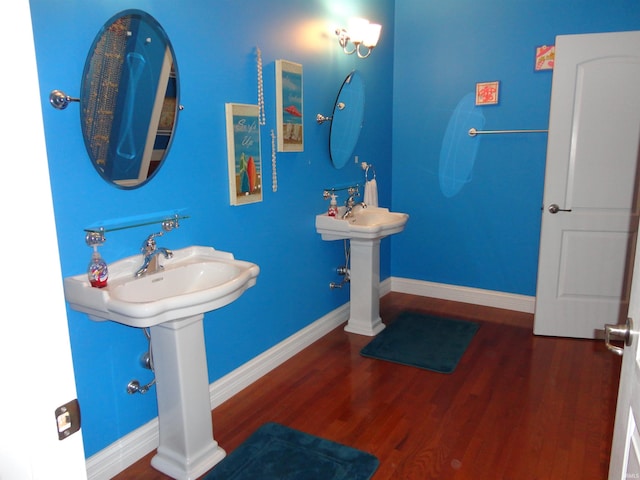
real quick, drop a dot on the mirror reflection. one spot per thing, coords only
(129, 99)
(347, 119)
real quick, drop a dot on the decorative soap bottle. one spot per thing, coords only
(97, 272)
(333, 206)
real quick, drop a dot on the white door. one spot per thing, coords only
(36, 372)
(590, 214)
(625, 450)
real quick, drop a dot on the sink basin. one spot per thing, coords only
(366, 223)
(196, 280)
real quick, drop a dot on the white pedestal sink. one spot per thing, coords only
(172, 302)
(364, 230)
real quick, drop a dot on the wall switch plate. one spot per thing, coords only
(68, 419)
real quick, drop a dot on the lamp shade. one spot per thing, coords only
(357, 29)
(371, 35)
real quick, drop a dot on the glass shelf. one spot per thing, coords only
(351, 189)
(168, 221)
(106, 227)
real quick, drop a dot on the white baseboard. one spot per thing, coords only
(124, 452)
(129, 449)
(476, 296)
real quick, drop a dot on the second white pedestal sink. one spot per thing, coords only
(364, 229)
(172, 302)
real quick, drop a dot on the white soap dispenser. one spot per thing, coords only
(333, 206)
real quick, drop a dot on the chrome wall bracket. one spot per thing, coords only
(321, 119)
(60, 100)
(95, 238)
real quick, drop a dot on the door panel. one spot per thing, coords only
(598, 278)
(633, 465)
(601, 142)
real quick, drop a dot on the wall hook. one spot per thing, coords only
(60, 100)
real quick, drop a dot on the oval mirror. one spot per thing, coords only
(129, 99)
(347, 119)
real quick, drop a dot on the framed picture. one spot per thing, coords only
(289, 106)
(487, 93)
(545, 57)
(243, 147)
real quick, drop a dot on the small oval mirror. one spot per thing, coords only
(129, 99)
(347, 119)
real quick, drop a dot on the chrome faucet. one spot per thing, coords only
(151, 252)
(350, 204)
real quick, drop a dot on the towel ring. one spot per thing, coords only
(366, 168)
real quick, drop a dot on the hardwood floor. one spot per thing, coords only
(517, 407)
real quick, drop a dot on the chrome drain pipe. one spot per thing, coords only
(146, 361)
(135, 387)
(344, 271)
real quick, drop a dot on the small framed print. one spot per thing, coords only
(545, 57)
(243, 148)
(289, 106)
(487, 93)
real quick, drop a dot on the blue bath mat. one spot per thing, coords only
(423, 341)
(276, 452)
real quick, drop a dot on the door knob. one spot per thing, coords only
(622, 331)
(554, 208)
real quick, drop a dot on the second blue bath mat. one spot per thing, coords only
(423, 341)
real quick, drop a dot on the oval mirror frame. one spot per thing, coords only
(130, 97)
(346, 123)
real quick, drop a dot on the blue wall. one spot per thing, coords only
(485, 236)
(215, 47)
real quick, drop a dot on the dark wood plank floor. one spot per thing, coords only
(517, 407)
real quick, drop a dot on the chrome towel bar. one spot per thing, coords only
(473, 132)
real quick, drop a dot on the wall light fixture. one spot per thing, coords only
(360, 33)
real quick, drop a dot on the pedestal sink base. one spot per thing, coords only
(175, 467)
(364, 315)
(369, 328)
(186, 448)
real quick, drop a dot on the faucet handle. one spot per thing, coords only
(149, 245)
